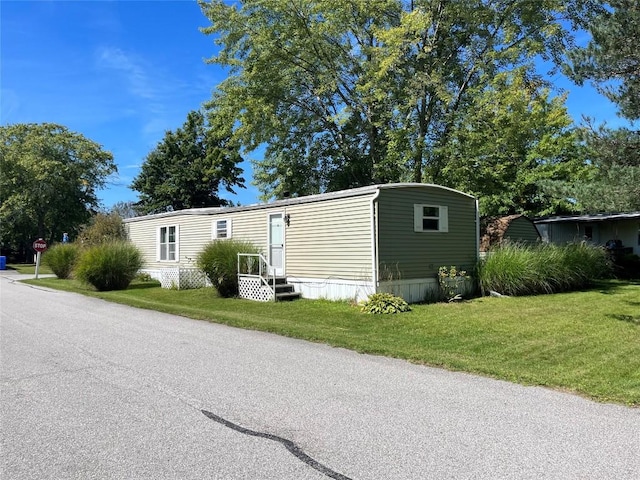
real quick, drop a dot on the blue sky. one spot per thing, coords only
(123, 72)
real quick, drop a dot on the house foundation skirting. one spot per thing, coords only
(179, 278)
(413, 291)
(332, 288)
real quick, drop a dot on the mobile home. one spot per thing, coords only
(339, 245)
(619, 231)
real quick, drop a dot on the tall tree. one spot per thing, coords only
(613, 180)
(368, 91)
(188, 167)
(517, 138)
(611, 59)
(49, 180)
(124, 209)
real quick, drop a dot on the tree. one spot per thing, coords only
(187, 169)
(102, 228)
(345, 94)
(517, 139)
(124, 209)
(613, 180)
(49, 180)
(612, 58)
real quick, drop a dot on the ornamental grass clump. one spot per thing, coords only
(519, 269)
(219, 261)
(385, 303)
(61, 259)
(109, 266)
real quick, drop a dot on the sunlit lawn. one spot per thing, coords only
(585, 342)
(29, 268)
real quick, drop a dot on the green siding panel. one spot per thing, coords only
(409, 254)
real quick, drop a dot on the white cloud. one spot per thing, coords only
(131, 68)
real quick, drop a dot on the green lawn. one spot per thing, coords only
(28, 268)
(584, 342)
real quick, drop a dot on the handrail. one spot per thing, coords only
(264, 274)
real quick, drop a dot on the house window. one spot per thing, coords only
(430, 218)
(588, 233)
(168, 243)
(221, 228)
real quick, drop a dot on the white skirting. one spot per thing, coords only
(413, 291)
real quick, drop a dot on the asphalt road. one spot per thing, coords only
(93, 390)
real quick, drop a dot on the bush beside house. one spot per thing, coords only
(517, 269)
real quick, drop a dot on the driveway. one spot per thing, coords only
(97, 390)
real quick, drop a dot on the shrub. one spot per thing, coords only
(110, 266)
(518, 269)
(385, 303)
(219, 261)
(451, 282)
(103, 228)
(61, 258)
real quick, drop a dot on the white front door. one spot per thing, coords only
(276, 243)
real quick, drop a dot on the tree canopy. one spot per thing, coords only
(612, 182)
(49, 180)
(345, 94)
(188, 168)
(517, 139)
(611, 59)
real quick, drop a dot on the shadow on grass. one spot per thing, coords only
(609, 287)
(626, 318)
(141, 286)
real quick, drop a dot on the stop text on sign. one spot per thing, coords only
(40, 245)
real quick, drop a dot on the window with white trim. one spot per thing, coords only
(168, 244)
(430, 218)
(221, 228)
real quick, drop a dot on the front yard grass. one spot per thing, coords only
(584, 342)
(29, 268)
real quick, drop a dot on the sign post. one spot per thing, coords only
(39, 246)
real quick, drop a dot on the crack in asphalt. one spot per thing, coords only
(288, 444)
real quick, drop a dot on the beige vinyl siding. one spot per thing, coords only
(330, 239)
(250, 226)
(326, 239)
(523, 230)
(193, 232)
(405, 254)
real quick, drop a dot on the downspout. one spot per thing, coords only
(374, 241)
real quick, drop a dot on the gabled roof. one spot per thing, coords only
(353, 192)
(596, 217)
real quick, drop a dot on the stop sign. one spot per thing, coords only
(40, 245)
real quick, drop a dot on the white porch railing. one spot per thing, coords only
(256, 280)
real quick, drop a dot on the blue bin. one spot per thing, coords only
(3, 263)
